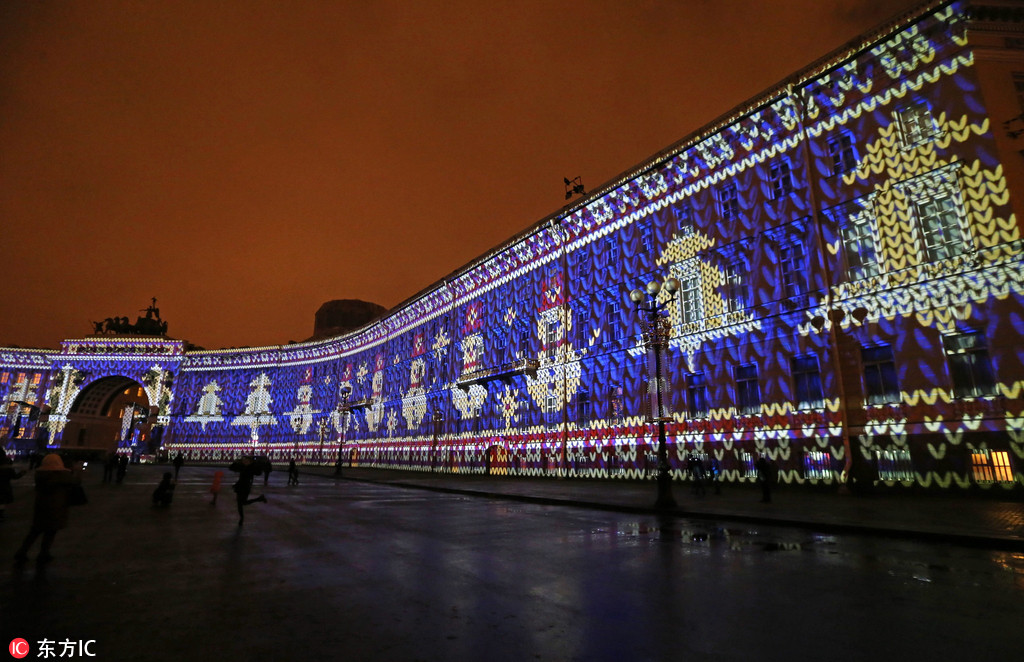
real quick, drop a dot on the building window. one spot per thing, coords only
(781, 178)
(551, 409)
(817, 465)
(989, 466)
(691, 302)
(841, 153)
(684, 221)
(697, 394)
(746, 462)
(939, 218)
(583, 407)
(969, 365)
(735, 287)
(551, 338)
(894, 465)
(916, 124)
(859, 244)
(615, 401)
(748, 393)
(647, 238)
(791, 268)
(728, 201)
(611, 249)
(582, 324)
(880, 383)
(807, 382)
(613, 321)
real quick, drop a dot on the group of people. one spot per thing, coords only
(58, 487)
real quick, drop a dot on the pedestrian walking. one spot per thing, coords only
(7, 474)
(56, 490)
(716, 475)
(697, 469)
(179, 460)
(293, 473)
(122, 468)
(164, 492)
(247, 469)
(218, 476)
(109, 466)
(267, 468)
(765, 478)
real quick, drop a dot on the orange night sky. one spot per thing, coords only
(245, 161)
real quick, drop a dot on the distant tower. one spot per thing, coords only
(343, 315)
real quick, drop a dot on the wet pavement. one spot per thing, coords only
(471, 568)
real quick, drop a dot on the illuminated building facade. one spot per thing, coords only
(851, 272)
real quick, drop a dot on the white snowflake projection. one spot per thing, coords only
(209, 408)
(392, 422)
(510, 404)
(257, 407)
(301, 418)
(441, 342)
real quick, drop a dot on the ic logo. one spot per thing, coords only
(18, 648)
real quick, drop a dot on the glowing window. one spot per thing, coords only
(5, 377)
(748, 392)
(939, 218)
(735, 287)
(859, 244)
(807, 382)
(792, 269)
(615, 401)
(746, 461)
(894, 464)
(880, 383)
(697, 394)
(841, 153)
(781, 178)
(969, 365)
(817, 465)
(36, 379)
(916, 124)
(691, 302)
(991, 466)
(728, 201)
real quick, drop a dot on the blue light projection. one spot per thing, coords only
(850, 305)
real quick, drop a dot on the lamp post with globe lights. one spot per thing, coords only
(656, 331)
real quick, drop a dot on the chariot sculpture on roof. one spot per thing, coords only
(150, 325)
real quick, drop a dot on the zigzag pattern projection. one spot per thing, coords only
(851, 306)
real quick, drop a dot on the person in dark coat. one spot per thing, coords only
(109, 467)
(293, 473)
(54, 484)
(179, 460)
(765, 478)
(247, 469)
(122, 468)
(164, 492)
(7, 474)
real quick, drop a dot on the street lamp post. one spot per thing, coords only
(345, 410)
(656, 330)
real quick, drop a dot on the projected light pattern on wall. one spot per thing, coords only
(850, 306)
